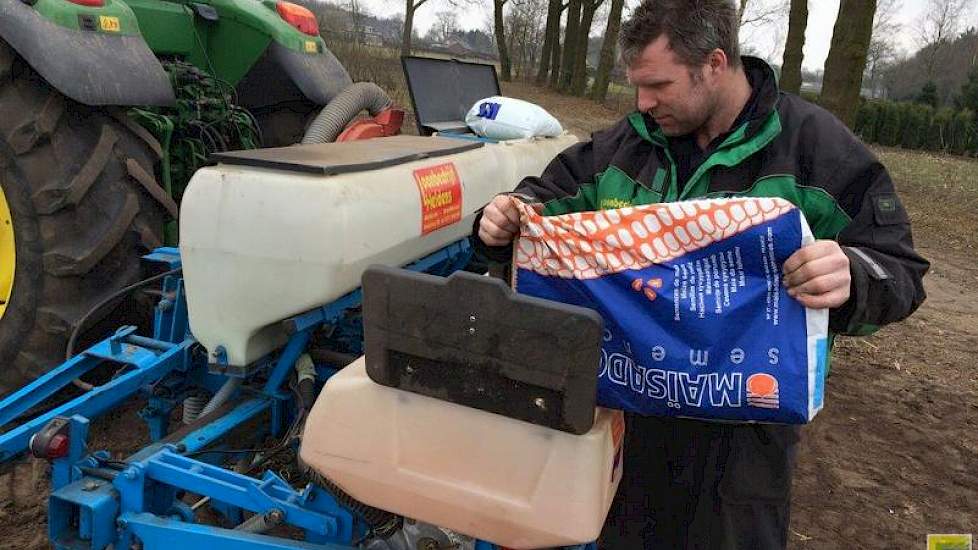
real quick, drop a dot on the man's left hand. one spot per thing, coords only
(818, 275)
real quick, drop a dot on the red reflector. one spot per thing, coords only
(89, 3)
(297, 16)
(57, 447)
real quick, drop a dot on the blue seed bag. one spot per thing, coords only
(697, 321)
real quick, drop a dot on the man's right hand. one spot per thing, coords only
(500, 221)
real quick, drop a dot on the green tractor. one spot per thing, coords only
(107, 107)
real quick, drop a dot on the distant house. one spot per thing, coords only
(372, 36)
(816, 89)
(457, 48)
(368, 35)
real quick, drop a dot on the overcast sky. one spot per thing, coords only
(768, 41)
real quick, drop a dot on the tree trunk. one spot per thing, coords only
(555, 58)
(847, 58)
(793, 47)
(974, 56)
(872, 81)
(501, 40)
(408, 24)
(607, 62)
(570, 44)
(579, 75)
(553, 20)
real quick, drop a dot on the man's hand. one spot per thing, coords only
(500, 221)
(818, 275)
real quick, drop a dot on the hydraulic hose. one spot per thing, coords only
(305, 371)
(341, 110)
(75, 332)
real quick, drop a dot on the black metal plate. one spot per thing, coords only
(470, 340)
(349, 156)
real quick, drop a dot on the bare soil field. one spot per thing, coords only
(894, 454)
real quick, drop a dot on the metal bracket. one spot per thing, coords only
(149, 360)
(256, 495)
(156, 532)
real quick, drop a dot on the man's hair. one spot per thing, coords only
(694, 29)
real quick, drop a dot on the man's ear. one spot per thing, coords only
(717, 61)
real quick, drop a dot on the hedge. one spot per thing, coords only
(917, 126)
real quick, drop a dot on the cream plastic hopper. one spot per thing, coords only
(506, 481)
(262, 243)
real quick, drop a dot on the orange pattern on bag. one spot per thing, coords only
(587, 245)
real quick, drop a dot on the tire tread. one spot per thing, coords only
(82, 220)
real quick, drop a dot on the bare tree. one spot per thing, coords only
(847, 58)
(579, 71)
(500, 34)
(411, 7)
(608, 48)
(446, 25)
(793, 47)
(882, 47)
(557, 51)
(525, 25)
(761, 22)
(550, 35)
(893, 77)
(760, 12)
(570, 43)
(356, 20)
(974, 56)
(936, 27)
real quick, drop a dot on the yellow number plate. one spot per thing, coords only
(109, 24)
(311, 47)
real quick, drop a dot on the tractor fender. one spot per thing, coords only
(93, 68)
(319, 77)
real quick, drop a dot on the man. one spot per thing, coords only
(712, 123)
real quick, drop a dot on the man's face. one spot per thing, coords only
(680, 98)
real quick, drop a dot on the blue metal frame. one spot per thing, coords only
(165, 471)
(144, 361)
(96, 501)
(146, 365)
(207, 435)
(157, 532)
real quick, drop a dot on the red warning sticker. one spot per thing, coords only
(441, 196)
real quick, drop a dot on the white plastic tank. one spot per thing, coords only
(502, 480)
(261, 244)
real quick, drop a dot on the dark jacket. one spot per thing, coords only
(787, 148)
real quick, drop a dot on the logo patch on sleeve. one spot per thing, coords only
(886, 203)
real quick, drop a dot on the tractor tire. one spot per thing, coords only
(83, 206)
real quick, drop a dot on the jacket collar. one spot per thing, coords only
(764, 84)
